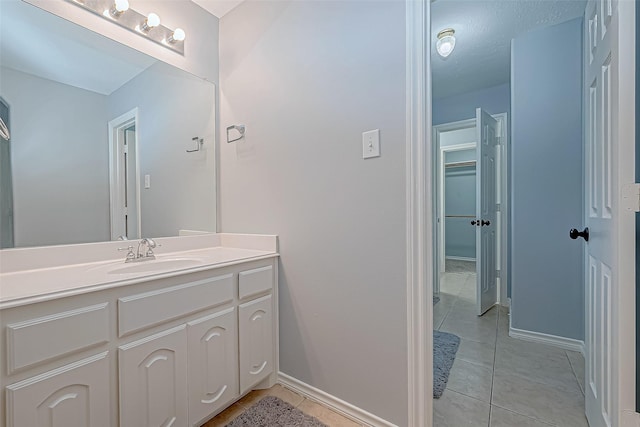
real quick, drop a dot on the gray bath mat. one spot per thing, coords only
(445, 346)
(271, 411)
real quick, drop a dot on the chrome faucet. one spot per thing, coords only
(144, 252)
(147, 254)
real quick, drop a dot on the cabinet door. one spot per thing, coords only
(75, 395)
(213, 364)
(256, 341)
(153, 380)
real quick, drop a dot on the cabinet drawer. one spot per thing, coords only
(141, 311)
(29, 342)
(254, 282)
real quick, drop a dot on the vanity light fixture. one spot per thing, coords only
(148, 26)
(150, 22)
(446, 42)
(119, 7)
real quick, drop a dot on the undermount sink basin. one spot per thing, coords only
(156, 265)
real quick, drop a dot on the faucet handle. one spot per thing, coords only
(150, 249)
(130, 254)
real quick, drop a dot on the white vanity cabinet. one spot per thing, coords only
(173, 351)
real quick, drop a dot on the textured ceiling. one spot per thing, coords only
(41, 44)
(484, 30)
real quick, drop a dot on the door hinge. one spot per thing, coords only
(631, 197)
(497, 207)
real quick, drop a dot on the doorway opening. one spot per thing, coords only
(124, 177)
(480, 92)
(460, 220)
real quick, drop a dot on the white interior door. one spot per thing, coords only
(609, 154)
(486, 218)
(124, 177)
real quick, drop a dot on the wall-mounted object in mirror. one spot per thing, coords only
(199, 142)
(99, 134)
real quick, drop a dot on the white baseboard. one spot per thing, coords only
(460, 258)
(553, 340)
(338, 405)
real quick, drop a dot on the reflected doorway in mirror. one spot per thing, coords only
(124, 176)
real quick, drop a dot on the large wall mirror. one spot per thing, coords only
(104, 141)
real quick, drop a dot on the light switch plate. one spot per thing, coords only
(371, 144)
(147, 181)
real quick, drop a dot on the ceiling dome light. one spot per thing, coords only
(446, 42)
(152, 21)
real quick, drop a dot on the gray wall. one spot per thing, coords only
(494, 100)
(45, 147)
(307, 78)
(546, 192)
(173, 107)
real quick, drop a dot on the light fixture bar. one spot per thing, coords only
(134, 21)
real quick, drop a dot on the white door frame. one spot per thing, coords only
(625, 326)
(502, 167)
(419, 211)
(116, 196)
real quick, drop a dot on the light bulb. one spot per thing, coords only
(121, 5)
(118, 8)
(178, 35)
(152, 21)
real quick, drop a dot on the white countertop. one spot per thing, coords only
(25, 286)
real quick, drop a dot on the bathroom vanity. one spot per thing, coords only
(166, 342)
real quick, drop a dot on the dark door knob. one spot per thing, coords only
(473, 222)
(487, 222)
(574, 234)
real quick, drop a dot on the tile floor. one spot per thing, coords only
(322, 413)
(498, 381)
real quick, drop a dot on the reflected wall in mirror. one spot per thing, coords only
(99, 137)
